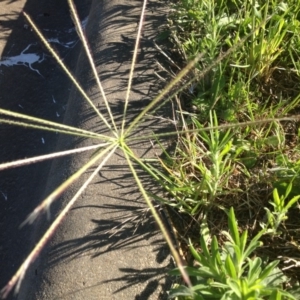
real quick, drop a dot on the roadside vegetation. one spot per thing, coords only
(233, 179)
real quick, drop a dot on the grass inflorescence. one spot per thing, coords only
(232, 176)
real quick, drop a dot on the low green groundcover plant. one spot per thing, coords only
(238, 146)
(230, 271)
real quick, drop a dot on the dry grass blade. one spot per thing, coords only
(166, 56)
(17, 278)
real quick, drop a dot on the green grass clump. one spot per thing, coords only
(260, 73)
(238, 137)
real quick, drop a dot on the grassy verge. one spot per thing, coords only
(237, 157)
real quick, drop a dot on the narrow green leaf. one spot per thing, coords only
(216, 258)
(267, 271)
(288, 295)
(230, 267)
(180, 291)
(192, 271)
(226, 149)
(237, 255)
(205, 237)
(254, 269)
(196, 255)
(232, 224)
(276, 295)
(277, 200)
(292, 202)
(288, 189)
(270, 217)
(245, 291)
(254, 243)
(235, 287)
(206, 272)
(243, 243)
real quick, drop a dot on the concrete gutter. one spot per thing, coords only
(94, 255)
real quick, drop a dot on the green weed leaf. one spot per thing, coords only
(230, 267)
(235, 287)
(254, 269)
(233, 229)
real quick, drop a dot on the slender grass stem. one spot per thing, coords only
(81, 35)
(211, 165)
(129, 153)
(36, 159)
(160, 96)
(17, 278)
(58, 191)
(45, 128)
(56, 126)
(294, 118)
(69, 74)
(136, 47)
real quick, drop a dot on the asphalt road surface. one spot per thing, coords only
(82, 260)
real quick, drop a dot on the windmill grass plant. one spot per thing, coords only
(236, 102)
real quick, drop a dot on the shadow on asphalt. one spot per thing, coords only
(23, 90)
(130, 278)
(125, 227)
